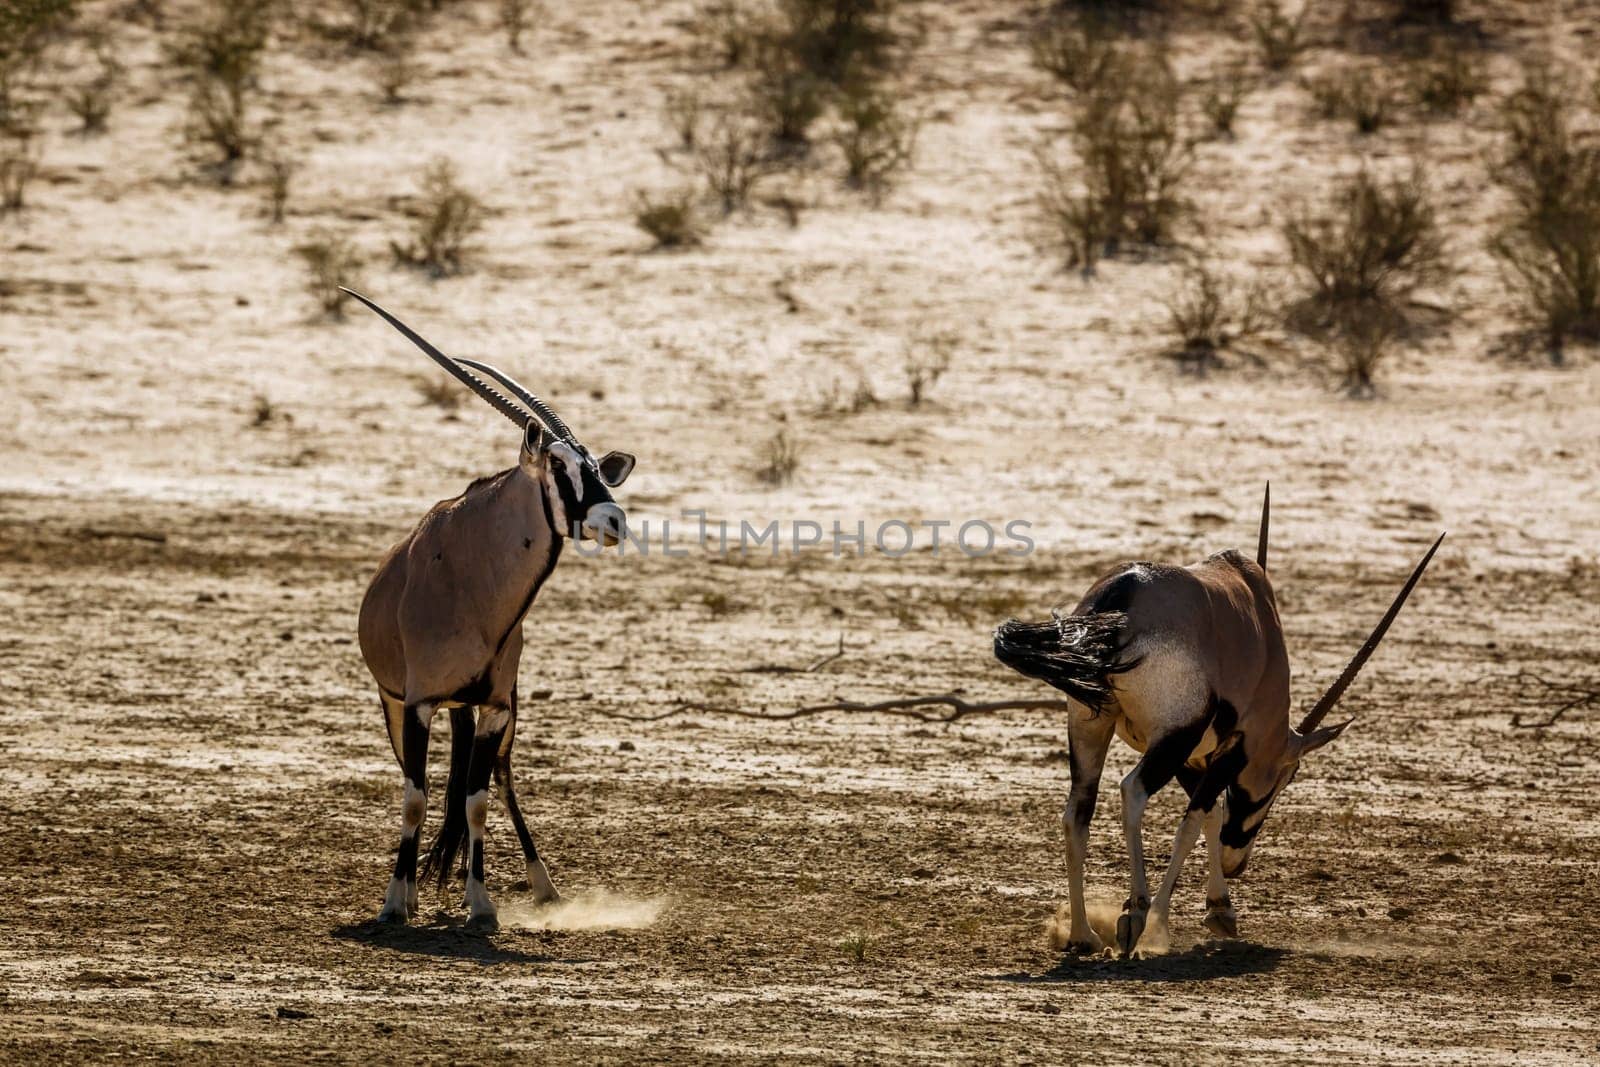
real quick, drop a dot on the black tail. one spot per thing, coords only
(452, 833)
(1078, 654)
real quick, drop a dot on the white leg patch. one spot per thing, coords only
(398, 904)
(479, 906)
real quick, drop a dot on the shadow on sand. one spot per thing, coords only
(443, 937)
(1205, 961)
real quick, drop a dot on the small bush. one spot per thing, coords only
(671, 220)
(1080, 52)
(377, 24)
(780, 458)
(926, 360)
(1549, 245)
(1435, 11)
(27, 28)
(1279, 38)
(447, 218)
(842, 41)
(19, 166)
(726, 31)
(280, 170)
(683, 112)
(393, 72)
(786, 97)
(1207, 315)
(515, 17)
(1222, 99)
(876, 140)
(1361, 96)
(1447, 79)
(732, 157)
(91, 100)
(438, 391)
(1372, 242)
(1363, 335)
(856, 946)
(1132, 161)
(222, 55)
(331, 261)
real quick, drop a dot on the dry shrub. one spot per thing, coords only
(780, 458)
(1373, 241)
(1279, 38)
(1209, 314)
(1223, 97)
(447, 217)
(1132, 159)
(683, 110)
(1079, 51)
(19, 166)
(1361, 95)
(1447, 78)
(377, 24)
(1431, 11)
(786, 96)
(222, 55)
(927, 357)
(1550, 243)
(331, 261)
(726, 31)
(876, 140)
(1363, 335)
(27, 29)
(91, 100)
(393, 72)
(515, 18)
(841, 41)
(280, 170)
(671, 220)
(732, 157)
(438, 391)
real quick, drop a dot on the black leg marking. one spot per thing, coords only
(414, 747)
(1166, 757)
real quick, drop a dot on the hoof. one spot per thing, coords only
(393, 916)
(1223, 923)
(488, 922)
(1130, 925)
(1090, 946)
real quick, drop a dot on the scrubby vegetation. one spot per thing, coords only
(1123, 183)
(331, 261)
(446, 217)
(1209, 314)
(671, 219)
(222, 55)
(1550, 243)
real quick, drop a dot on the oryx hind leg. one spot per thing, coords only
(400, 901)
(486, 740)
(1088, 738)
(447, 842)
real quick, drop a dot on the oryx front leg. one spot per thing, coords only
(1220, 919)
(1088, 738)
(400, 902)
(486, 741)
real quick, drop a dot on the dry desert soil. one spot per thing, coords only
(198, 806)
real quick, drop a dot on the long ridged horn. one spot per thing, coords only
(537, 406)
(496, 399)
(1336, 690)
(1261, 538)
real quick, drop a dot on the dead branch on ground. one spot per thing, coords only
(1571, 695)
(910, 707)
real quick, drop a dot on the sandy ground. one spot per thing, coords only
(199, 804)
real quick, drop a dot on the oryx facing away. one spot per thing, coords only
(441, 625)
(1187, 665)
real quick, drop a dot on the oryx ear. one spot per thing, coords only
(534, 440)
(1321, 736)
(615, 468)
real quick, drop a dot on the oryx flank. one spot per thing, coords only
(1187, 665)
(441, 625)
